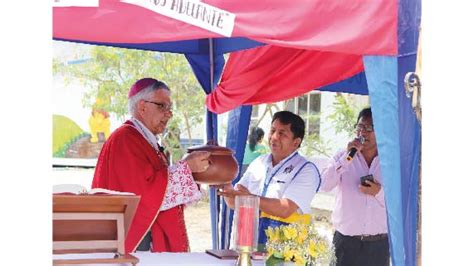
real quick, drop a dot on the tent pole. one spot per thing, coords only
(217, 198)
(211, 62)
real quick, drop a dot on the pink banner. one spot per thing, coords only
(350, 26)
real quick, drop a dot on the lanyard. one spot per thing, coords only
(269, 180)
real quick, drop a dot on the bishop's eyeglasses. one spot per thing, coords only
(163, 107)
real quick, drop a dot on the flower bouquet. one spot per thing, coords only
(298, 243)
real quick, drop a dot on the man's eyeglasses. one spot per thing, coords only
(366, 128)
(163, 107)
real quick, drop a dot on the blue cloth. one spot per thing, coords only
(263, 224)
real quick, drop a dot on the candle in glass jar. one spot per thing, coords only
(245, 226)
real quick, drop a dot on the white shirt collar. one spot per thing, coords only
(269, 160)
(146, 133)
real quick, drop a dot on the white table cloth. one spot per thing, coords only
(148, 259)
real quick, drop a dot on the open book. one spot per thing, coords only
(76, 189)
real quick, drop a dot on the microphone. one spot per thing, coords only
(353, 150)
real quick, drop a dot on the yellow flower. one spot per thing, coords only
(299, 259)
(272, 234)
(302, 235)
(322, 248)
(288, 253)
(270, 251)
(312, 249)
(316, 248)
(299, 243)
(290, 232)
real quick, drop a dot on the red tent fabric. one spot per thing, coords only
(334, 32)
(350, 26)
(271, 73)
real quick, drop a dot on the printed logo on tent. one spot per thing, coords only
(192, 12)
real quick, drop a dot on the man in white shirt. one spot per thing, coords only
(284, 180)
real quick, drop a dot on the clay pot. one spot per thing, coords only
(222, 165)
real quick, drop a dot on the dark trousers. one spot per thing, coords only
(145, 245)
(351, 251)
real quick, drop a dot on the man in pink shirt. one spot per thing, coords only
(359, 215)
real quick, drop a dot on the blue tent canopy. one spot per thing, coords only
(398, 131)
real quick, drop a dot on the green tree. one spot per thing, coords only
(345, 113)
(313, 144)
(109, 72)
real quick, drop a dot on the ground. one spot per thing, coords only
(198, 225)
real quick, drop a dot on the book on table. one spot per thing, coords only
(76, 189)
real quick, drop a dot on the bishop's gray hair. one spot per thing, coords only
(144, 94)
